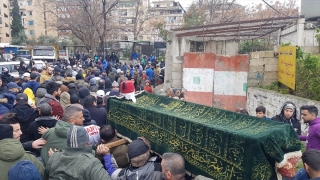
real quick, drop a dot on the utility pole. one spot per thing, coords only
(45, 18)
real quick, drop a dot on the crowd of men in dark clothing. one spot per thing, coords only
(54, 124)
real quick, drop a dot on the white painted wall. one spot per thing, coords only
(230, 83)
(198, 79)
(273, 102)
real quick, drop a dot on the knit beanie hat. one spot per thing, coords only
(24, 170)
(93, 82)
(139, 152)
(115, 84)
(77, 137)
(6, 131)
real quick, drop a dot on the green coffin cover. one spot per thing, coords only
(215, 143)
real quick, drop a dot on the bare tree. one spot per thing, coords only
(83, 18)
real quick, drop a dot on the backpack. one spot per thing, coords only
(57, 109)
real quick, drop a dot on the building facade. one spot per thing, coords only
(5, 31)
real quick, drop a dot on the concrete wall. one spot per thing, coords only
(263, 68)
(215, 80)
(230, 48)
(174, 58)
(273, 102)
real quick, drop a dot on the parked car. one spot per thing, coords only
(12, 66)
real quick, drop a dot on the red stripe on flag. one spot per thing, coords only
(203, 98)
(235, 63)
(199, 60)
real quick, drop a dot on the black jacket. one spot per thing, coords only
(45, 121)
(295, 123)
(26, 116)
(98, 114)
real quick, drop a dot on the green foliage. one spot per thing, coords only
(20, 39)
(248, 46)
(16, 25)
(47, 40)
(161, 27)
(318, 37)
(194, 17)
(308, 78)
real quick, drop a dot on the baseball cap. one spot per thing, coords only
(33, 76)
(26, 74)
(12, 85)
(100, 93)
(22, 98)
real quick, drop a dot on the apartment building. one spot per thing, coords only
(5, 31)
(170, 11)
(35, 18)
(124, 18)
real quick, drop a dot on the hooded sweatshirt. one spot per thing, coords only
(54, 103)
(313, 137)
(26, 116)
(83, 93)
(56, 138)
(44, 121)
(11, 152)
(295, 123)
(33, 85)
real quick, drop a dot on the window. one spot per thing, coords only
(29, 3)
(30, 13)
(30, 23)
(31, 32)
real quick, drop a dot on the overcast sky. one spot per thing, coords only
(186, 3)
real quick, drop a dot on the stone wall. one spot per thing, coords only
(273, 102)
(263, 68)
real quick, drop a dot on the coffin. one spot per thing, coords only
(215, 143)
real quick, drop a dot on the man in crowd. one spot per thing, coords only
(12, 152)
(311, 159)
(5, 76)
(13, 120)
(7, 99)
(76, 161)
(173, 167)
(53, 92)
(97, 114)
(32, 83)
(26, 115)
(108, 134)
(57, 137)
(309, 115)
(45, 121)
(143, 166)
(46, 75)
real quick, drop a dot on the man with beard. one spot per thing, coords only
(53, 92)
(5, 76)
(46, 75)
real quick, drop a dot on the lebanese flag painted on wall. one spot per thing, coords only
(218, 81)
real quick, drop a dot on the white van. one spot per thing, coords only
(11, 66)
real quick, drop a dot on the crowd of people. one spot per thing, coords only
(54, 124)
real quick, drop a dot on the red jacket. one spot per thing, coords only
(148, 89)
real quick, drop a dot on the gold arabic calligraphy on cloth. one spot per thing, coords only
(217, 143)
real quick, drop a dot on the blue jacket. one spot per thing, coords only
(104, 65)
(151, 58)
(11, 97)
(33, 85)
(132, 71)
(135, 55)
(149, 73)
(3, 109)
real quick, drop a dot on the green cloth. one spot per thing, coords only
(215, 143)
